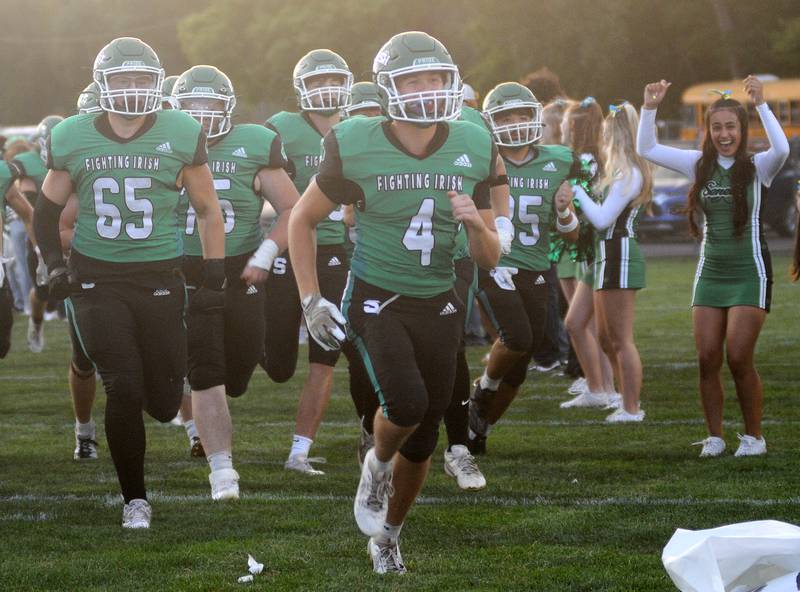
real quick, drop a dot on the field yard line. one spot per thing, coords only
(455, 500)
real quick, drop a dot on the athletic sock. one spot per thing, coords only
(378, 466)
(191, 429)
(300, 446)
(389, 534)
(489, 384)
(85, 430)
(220, 460)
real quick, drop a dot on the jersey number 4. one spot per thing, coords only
(419, 234)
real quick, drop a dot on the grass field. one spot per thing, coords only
(572, 504)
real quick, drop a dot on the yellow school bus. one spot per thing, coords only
(782, 94)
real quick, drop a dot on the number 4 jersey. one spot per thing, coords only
(406, 230)
(126, 188)
(235, 160)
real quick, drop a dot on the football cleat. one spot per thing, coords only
(459, 463)
(386, 557)
(712, 446)
(372, 497)
(136, 514)
(85, 448)
(224, 484)
(750, 446)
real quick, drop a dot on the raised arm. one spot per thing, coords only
(682, 161)
(768, 163)
(622, 192)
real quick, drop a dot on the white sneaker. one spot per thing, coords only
(136, 514)
(224, 484)
(622, 416)
(302, 464)
(35, 336)
(586, 399)
(712, 446)
(386, 557)
(372, 497)
(750, 446)
(578, 386)
(459, 463)
(614, 401)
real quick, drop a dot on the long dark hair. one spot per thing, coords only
(741, 174)
(585, 124)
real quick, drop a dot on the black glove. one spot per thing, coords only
(210, 297)
(61, 282)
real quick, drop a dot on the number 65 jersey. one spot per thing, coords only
(406, 229)
(126, 188)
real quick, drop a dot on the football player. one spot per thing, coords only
(322, 84)
(247, 163)
(364, 100)
(412, 178)
(127, 166)
(515, 292)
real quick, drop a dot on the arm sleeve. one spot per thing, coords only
(276, 159)
(330, 178)
(622, 192)
(681, 161)
(770, 162)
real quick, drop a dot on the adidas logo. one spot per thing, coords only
(539, 281)
(550, 167)
(163, 292)
(448, 310)
(240, 152)
(334, 261)
(165, 148)
(463, 161)
(251, 289)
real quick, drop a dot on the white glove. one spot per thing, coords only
(264, 255)
(505, 232)
(504, 277)
(42, 278)
(324, 321)
(3, 261)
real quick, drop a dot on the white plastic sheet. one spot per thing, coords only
(734, 558)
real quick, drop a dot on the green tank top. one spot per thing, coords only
(406, 231)
(127, 196)
(303, 146)
(532, 187)
(235, 160)
(31, 166)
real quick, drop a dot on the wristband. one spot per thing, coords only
(568, 227)
(564, 214)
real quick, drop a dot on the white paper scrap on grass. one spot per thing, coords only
(733, 558)
(245, 579)
(253, 566)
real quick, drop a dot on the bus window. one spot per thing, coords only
(783, 112)
(794, 112)
(688, 114)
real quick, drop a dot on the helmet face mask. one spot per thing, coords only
(206, 93)
(499, 107)
(403, 72)
(316, 93)
(129, 76)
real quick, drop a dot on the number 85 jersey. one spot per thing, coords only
(126, 188)
(406, 229)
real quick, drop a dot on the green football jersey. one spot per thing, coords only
(473, 116)
(532, 187)
(303, 146)
(235, 160)
(31, 165)
(406, 230)
(127, 192)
